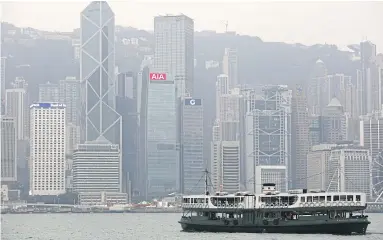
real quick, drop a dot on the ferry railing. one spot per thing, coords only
(314, 204)
(195, 205)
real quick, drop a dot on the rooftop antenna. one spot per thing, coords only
(226, 25)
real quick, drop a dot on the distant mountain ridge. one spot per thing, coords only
(52, 58)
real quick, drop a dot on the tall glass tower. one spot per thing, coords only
(97, 73)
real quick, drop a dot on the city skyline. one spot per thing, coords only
(161, 119)
(333, 29)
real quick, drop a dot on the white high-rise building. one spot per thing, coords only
(47, 149)
(49, 92)
(318, 167)
(225, 166)
(97, 167)
(229, 118)
(174, 50)
(15, 107)
(230, 66)
(349, 170)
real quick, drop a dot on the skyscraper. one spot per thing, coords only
(299, 138)
(2, 85)
(366, 79)
(174, 50)
(140, 189)
(230, 66)
(69, 94)
(97, 72)
(316, 101)
(268, 139)
(8, 149)
(162, 153)
(48, 92)
(126, 106)
(47, 147)
(15, 107)
(334, 123)
(192, 159)
(21, 83)
(225, 166)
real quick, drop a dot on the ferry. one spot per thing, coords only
(297, 211)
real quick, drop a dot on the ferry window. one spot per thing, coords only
(350, 198)
(336, 198)
(322, 198)
(358, 198)
(309, 199)
(303, 199)
(315, 199)
(343, 197)
(265, 199)
(328, 198)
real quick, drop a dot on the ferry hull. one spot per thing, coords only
(331, 228)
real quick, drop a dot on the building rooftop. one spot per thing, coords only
(334, 103)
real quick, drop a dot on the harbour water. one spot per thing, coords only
(140, 226)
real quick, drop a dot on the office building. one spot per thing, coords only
(174, 50)
(126, 106)
(97, 167)
(349, 170)
(47, 149)
(225, 166)
(371, 137)
(69, 94)
(229, 118)
(366, 84)
(49, 92)
(268, 139)
(15, 107)
(316, 99)
(318, 166)
(299, 138)
(334, 122)
(2, 85)
(192, 135)
(230, 66)
(97, 67)
(21, 83)
(8, 149)
(162, 151)
(140, 189)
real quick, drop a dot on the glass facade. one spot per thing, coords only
(97, 72)
(192, 161)
(162, 153)
(174, 50)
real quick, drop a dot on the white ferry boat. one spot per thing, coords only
(297, 211)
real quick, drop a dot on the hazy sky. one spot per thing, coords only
(306, 22)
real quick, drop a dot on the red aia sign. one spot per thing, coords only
(157, 76)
